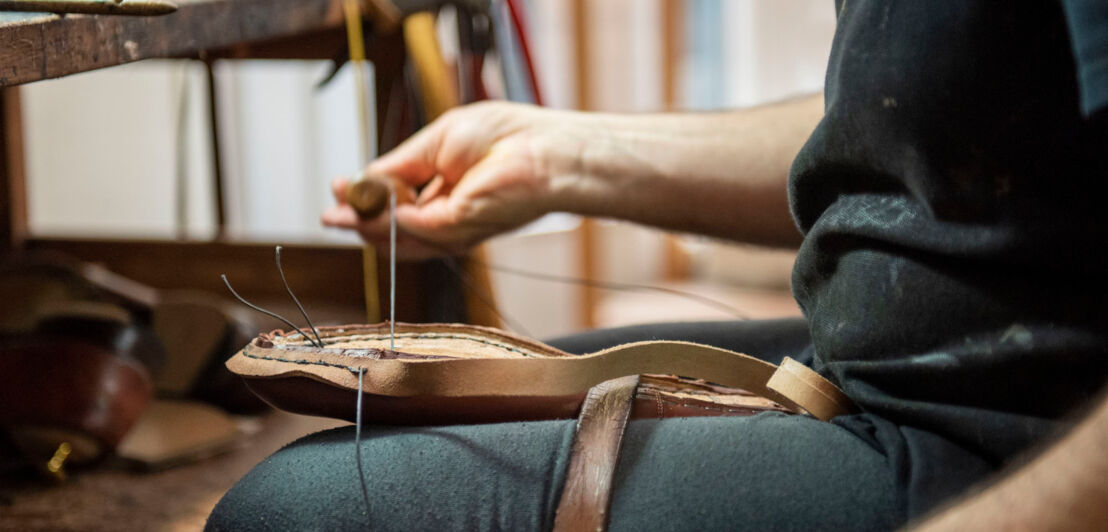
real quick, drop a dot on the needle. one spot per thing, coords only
(392, 270)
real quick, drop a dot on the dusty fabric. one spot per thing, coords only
(952, 201)
(768, 472)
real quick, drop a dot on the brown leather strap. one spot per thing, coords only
(548, 376)
(586, 496)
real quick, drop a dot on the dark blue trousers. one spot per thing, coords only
(767, 472)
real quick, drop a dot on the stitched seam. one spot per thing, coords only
(303, 362)
(426, 336)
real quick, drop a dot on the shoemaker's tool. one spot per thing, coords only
(92, 7)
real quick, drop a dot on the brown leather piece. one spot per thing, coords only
(586, 496)
(459, 373)
(72, 385)
(658, 396)
(304, 395)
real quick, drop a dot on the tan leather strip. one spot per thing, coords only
(529, 376)
(809, 389)
(586, 496)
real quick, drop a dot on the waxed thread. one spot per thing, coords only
(423, 336)
(268, 312)
(358, 442)
(288, 289)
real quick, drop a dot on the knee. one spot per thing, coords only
(293, 489)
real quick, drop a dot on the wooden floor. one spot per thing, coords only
(176, 499)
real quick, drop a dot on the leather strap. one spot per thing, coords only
(586, 496)
(819, 396)
(548, 376)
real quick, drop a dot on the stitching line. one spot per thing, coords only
(352, 369)
(423, 336)
(302, 362)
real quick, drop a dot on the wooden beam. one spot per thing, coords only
(321, 275)
(675, 261)
(580, 12)
(217, 153)
(329, 272)
(44, 46)
(13, 190)
(586, 240)
(138, 8)
(673, 50)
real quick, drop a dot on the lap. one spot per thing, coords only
(769, 471)
(477, 477)
(764, 472)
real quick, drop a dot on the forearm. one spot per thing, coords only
(719, 174)
(490, 167)
(1065, 488)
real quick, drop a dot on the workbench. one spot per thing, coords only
(38, 46)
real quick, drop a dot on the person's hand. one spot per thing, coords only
(485, 168)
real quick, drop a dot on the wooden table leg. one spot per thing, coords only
(13, 190)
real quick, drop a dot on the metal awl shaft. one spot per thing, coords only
(392, 270)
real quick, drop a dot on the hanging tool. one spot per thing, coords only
(369, 193)
(437, 93)
(353, 14)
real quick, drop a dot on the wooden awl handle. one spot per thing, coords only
(369, 194)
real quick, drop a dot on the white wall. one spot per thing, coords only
(285, 140)
(102, 150)
(101, 154)
(774, 49)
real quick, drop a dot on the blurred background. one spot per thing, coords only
(282, 139)
(125, 191)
